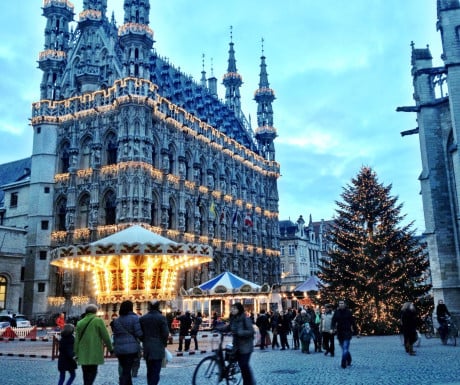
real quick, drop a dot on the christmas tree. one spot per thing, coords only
(374, 262)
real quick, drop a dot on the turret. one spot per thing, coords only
(52, 60)
(232, 82)
(264, 96)
(136, 38)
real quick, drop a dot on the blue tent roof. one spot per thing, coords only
(228, 280)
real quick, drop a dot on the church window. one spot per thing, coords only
(110, 208)
(83, 212)
(85, 155)
(60, 217)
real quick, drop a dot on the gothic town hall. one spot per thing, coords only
(120, 137)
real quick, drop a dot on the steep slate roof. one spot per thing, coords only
(13, 172)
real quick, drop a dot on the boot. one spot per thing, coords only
(411, 350)
(407, 347)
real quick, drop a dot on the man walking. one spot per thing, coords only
(155, 328)
(344, 323)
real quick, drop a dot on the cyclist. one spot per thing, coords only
(441, 315)
(243, 340)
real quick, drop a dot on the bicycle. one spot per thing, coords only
(219, 366)
(428, 328)
(452, 332)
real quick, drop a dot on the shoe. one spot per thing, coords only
(349, 359)
(343, 364)
(326, 353)
(282, 349)
(332, 354)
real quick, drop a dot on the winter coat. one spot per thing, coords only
(156, 332)
(126, 334)
(89, 348)
(197, 321)
(344, 322)
(326, 322)
(409, 325)
(243, 333)
(185, 324)
(66, 353)
(262, 322)
(306, 333)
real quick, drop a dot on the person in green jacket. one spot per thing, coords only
(90, 337)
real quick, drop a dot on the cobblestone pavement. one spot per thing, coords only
(376, 360)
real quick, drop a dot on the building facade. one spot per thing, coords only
(437, 105)
(121, 136)
(301, 249)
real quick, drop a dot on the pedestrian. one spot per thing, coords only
(344, 324)
(274, 325)
(243, 340)
(315, 328)
(155, 328)
(326, 330)
(60, 321)
(284, 328)
(263, 324)
(127, 334)
(303, 324)
(442, 313)
(409, 326)
(184, 330)
(90, 339)
(197, 321)
(295, 331)
(66, 362)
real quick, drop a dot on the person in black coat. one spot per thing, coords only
(344, 324)
(442, 313)
(409, 326)
(66, 362)
(184, 329)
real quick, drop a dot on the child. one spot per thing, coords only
(66, 361)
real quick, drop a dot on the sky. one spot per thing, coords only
(339, 69)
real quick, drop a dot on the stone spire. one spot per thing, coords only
(232, 81)
(264, 96)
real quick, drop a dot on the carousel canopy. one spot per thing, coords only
(134, 264)
(313, 283)
(228, 281)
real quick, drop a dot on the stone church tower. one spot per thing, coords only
(121, 136)
(437, 105)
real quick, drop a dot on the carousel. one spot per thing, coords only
(219, 293)
(133, 264)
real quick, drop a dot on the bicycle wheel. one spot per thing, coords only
(234, 374)
(208, 371)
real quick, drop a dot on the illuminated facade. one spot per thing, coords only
(122, 137)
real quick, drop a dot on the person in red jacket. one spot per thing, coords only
(60, 321)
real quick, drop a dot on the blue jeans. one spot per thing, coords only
(246, 373)
(153, 371)
(62, 377)
(345, 345)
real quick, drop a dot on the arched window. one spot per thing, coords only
(64, 159)
(83, 212)
(111, 150)
(3, 291)
(110, 206)
(60, 215)
(85, 154)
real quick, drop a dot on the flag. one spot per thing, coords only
(248, 220)
(212, 210)
(235, 218)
